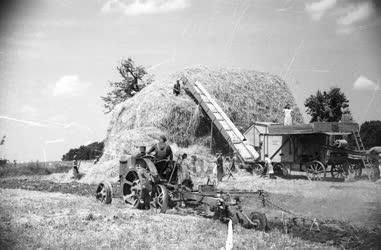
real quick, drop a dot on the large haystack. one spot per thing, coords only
(245, 95)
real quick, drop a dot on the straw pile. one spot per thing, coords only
(246, 96)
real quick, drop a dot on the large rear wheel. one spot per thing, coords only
(159, 198)
(134, 190)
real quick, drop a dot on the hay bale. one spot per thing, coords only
(245, 95)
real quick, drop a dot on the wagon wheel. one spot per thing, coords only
(316, 170)
(104, 192)
(339, 171)
(133, 190)
(257, 221)
(257, 168)
(159, 198)
(357, 168)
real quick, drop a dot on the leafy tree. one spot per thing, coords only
(328, 106)
(370, 132)
(89, 152)
(134, 79)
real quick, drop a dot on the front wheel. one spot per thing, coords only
(104, 192)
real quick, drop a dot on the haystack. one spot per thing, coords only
(245, 95)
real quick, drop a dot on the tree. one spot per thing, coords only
(370, 132)
(327, 106)
(89, 152)
(134, 79)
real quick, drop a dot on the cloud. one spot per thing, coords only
(70, 85)
(356, 13)
(54, 141)
(28, 109)
(139, 7)
(318, 9)
(363, 83)
(30, 123)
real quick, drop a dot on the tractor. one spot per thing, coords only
(149, 183)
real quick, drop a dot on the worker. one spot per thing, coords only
(162, 150)
(269, 167)
(287, 115)
(76, 165)
(176, 88)
(234, 161)
(220, 167)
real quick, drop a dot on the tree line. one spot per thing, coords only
(89, 152)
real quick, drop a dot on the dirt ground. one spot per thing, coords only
(66, 215)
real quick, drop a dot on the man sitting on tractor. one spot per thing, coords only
(163, 154)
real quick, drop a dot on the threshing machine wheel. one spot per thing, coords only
(159, 198)
(257, 168)
(134, 190)
(258, 221)
(104, 192)
(316, 170)
(281, 169)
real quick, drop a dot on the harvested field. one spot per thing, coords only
(348, 215)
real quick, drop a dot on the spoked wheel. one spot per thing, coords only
(104, 192)
(258, 221)
(357, 167)
(257, 168)
(134, 192)
(159, 198)
(316, 171)
(337, 171)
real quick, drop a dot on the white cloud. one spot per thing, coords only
(363, 83)
(70, 85)
(318, 9)
(54, 141)
(356, 13)
(28, 109)
(30, 123)
(138, 7)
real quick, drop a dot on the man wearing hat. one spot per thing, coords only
(162, 150)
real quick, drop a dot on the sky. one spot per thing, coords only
(58, 56)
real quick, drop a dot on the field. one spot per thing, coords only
(39, 213)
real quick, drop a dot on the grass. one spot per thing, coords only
(34, 168)
(32, 219)
(348, 215)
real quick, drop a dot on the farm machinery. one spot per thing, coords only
(149, 183)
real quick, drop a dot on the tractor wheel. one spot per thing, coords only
(316, 171)
(104, 192)
(160, 198)
(258, 221)
(134, 190)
